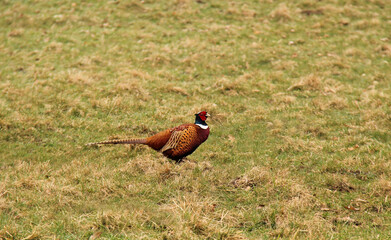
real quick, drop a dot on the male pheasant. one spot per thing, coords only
(175, 143)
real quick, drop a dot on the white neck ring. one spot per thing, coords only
(202, 126)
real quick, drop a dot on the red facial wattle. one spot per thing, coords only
(203, 117)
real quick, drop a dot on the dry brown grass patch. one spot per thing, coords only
(157, 59)
(145, 164)
(135, 73)
(254, 177)
(257, 114)
(346, 221)
(309, 82)
(373, 97)
(333, 86)
(367, 23)
(386, 49)
(118, 220)
(233, 87)
(339, 183)
(295, 202)
(193, 216)
(276, 126)
(338, 103)
(315, 130)
(55, 47)
(8, 233)
(382, 187)
(333, 102)
(281, 12)
(299, 145)
(107, 103)
(353, 52)
(282, 98)
(284, 65)
(348, 11)
(175, 89)
(16, 32)
(132, 87)
(4, 203)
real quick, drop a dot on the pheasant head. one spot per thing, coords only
(201, 118)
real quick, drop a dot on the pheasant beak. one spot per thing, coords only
(207, 115)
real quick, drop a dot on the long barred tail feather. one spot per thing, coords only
(120, 141)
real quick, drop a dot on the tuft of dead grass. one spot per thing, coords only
(16, 32)
(382, 187)
(282, 98)
(119, 220)
(298, 145)
(339, 183)
(257, 176)
(176, 89)
(386, 48)
(309, 82)
(192, 215)
(281, 12)
(353, 52)
(233, 87)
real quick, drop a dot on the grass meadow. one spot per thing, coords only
(300, 98)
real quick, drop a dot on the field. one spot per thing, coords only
(300, 98)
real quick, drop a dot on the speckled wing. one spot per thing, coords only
(181, 141)
(172, 141)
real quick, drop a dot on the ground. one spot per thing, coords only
(300, 98)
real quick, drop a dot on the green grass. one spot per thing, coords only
(300, 98)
